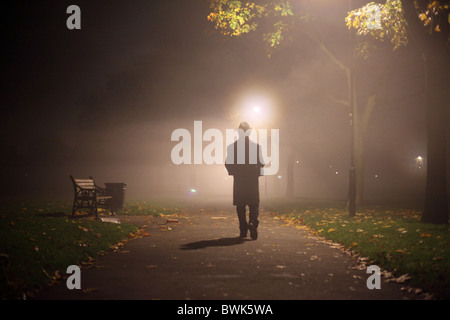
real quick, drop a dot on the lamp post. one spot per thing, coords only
(352, 118)
(257, 109)
(256, 112)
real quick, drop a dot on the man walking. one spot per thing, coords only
(244, 162)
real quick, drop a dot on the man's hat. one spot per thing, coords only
(244, 126)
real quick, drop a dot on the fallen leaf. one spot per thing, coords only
(425, 235)
(111, 220)
(57, 275)
(402, 278)
(417, 290)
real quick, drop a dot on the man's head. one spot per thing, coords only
(244, 126)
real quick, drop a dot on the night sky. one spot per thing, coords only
(103, 100)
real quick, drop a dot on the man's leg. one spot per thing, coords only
(253, 221)
(243, 226)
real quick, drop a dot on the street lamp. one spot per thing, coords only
(419, 162)
(256, 109)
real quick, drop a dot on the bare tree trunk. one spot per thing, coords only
(437, 86)
(359, 122)
(436, 196)
(361, 125)
(290, 173)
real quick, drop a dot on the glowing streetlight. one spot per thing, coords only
(257, 109)
(419, 162)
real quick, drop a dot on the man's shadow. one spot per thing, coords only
(223, 242)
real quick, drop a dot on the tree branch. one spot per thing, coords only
(344, 102)
(326, 51)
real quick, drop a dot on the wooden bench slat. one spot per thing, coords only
(84, 181)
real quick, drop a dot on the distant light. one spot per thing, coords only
(193, 190)
(279, 177)
(298, 161)
(257, 109)
(419, 162)
(337, 172)
(376, 176)
(331, 166)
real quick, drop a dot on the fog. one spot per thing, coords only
(104, 103)
(140, 156)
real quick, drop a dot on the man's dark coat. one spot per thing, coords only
(246, 184)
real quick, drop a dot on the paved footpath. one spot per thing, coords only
(200, 257)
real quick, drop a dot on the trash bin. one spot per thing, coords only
(117, 191)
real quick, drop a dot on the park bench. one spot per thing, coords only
(87, 195)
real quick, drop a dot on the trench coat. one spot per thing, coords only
(245, 175)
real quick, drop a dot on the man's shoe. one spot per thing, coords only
(253, 232)
(243, 234)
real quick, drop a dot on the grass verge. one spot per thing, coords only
(392, 238)
(154, 207)
(38, 242)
